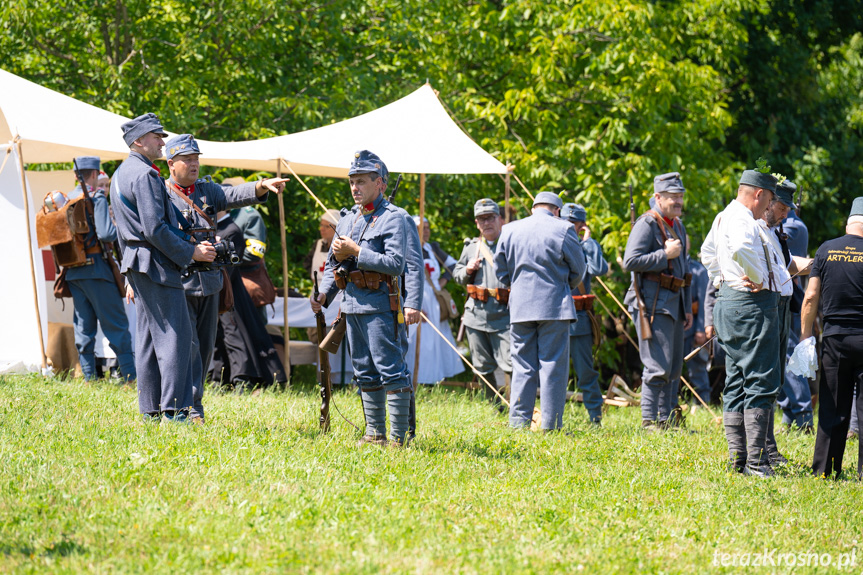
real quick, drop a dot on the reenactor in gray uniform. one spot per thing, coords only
(581, 332)
(155, 250)
(202, 287)
(486, 316)
(94, 291)
(366, 260)
(541, 259)
(655, 252)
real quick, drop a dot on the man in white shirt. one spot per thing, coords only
(742, 263)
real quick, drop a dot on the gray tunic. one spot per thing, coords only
(486, 316)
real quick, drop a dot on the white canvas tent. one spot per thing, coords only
(413, 135)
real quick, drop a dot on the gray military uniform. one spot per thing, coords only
(662, 355)
(202, 287)
(154, 253)
(486, 323)
(541, 259)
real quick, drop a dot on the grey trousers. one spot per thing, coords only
(587, 378)
(489, 350)
(540, 359)
(749, 330)
(163, 346)
(204, 317)
(662, 356)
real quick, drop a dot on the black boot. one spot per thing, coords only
(735, 434)
(757, 463)
(775, 458)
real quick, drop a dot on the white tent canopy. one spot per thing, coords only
(413, 135)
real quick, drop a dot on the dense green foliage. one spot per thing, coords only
(86, 487)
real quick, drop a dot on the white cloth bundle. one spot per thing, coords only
(804, 360)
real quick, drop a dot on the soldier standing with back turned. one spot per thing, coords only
(655, 252)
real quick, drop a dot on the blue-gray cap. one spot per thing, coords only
(785, 193)
(484, 207)
(144, 124)
(548, 198)
(181, 145)
(857, 207)
(669, 183)
(87, 163)
(758, 179)
(573, 213)
(366, 162)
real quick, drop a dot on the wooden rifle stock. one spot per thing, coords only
(323, 367)
(643, 321)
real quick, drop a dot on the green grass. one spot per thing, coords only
(85, 486)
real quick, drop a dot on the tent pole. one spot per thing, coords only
(284, 272)
(30, 248)
(507, 187)
(422, 251)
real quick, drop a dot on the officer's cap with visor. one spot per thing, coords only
(785, 193)
(366, 162)
(669, 183)
(758, 179)
(485, 207)
(182, 145)
(573, 213)
(141, 126)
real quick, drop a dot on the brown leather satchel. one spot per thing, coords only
(226, 296)
(258, 283)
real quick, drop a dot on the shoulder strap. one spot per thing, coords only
(174, 188)
(482, 249)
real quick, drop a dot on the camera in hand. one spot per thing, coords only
(226, 255)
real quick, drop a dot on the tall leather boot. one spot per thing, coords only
(375, 411)
(399, 402)
(757, 463)
(775, 458)
(735, 434)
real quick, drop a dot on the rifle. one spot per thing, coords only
(106, 252)
(643, 321)
(323, 367)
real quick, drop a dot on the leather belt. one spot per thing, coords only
(482, 294)
(668, 281)
(583, 302)
(93, 250)
(363, 279)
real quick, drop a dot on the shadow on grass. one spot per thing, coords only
(475, 447)
(62, 548)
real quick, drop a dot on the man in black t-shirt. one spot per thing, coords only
(837, 282)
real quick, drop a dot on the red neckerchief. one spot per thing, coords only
(155, 167)
(669, 222)
(368, 208)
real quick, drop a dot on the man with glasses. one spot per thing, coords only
(654, 251)
(742, 265)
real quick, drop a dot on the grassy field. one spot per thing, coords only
(86, 487)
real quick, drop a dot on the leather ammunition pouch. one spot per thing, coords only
(583, 302)
(695, 308)
(482, 294)
(666, 281)
(363, 279)
(688, 279)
